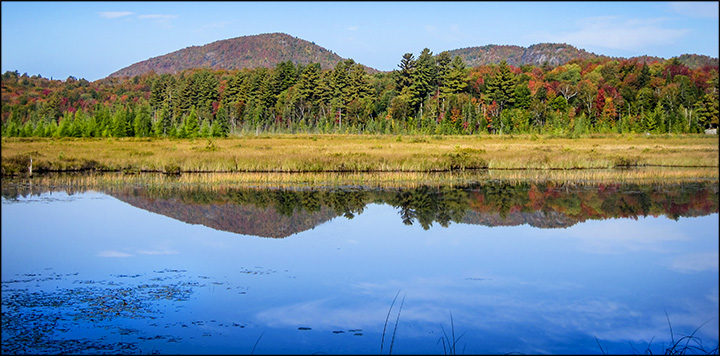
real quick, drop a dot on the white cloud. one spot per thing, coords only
(616, 33)
(213, 25)
(158, 252)
(696, 9)
(448, 34)
(623, 236)
(696, 262)
(157, 17)
(114, 14)
(353, 28)
(112, 253)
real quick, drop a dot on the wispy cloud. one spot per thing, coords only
(708, 9)
(696, 262)
(450, 34)
(157, 17)
(115, 14)
(353, 28)
(113, 253)
(158, 252)
(617, 33)
(212, 26)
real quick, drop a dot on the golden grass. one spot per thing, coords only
(359, 153)
(649, 175)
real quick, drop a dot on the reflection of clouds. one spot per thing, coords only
(113, 253)
(620, 236)
(321, 314)
(158, 252)
(696, 262)
(504, 307)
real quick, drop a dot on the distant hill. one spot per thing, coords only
(265, 50)
(551, 53)
(555, 54)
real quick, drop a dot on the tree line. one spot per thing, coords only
(427, 94)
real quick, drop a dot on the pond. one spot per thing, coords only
(485, 268)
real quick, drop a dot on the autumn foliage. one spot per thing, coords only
(430, 94)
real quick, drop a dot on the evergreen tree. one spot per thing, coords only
(454, 77)
(523, 96)
(442, 63)
(119, 128)
(143, 122)
(205, 129)
(220, 126)
(423, 79)
(407, 71)
(707, 111)
(191, 125)
(502, 86)
(163, 123)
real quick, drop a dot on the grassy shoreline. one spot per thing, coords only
(356, 153)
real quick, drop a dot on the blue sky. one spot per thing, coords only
(93, 39)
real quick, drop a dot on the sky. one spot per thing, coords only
(91, 40)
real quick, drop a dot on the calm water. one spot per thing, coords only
(527, 268)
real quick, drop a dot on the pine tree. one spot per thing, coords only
(221, 126)
(454, 77)
(407, 71)
(191, 126)
(143, 122)
(423, 79)
(502, 87)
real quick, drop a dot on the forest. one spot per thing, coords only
(427, 95)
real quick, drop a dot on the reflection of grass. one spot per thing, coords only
(256, 343)
(688, 344)
(380, 179)
(451, 343)
(678, 348)
(392, 341)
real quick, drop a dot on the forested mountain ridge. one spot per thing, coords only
(267, 50)
(264, 50)
(555, 54)
(431, 94)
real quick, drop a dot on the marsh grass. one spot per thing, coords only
(397, 320)
(450, 344)
(357, 153)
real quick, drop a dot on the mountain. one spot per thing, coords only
(555, 54)
(265, 50)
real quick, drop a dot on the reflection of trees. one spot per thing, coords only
(505, 196)
(428, 205)
(347, 203)
(443, 205)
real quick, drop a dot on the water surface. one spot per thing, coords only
(527, 268)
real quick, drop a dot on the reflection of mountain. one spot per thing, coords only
(226, 216)
(541, 219)
(283, 212)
